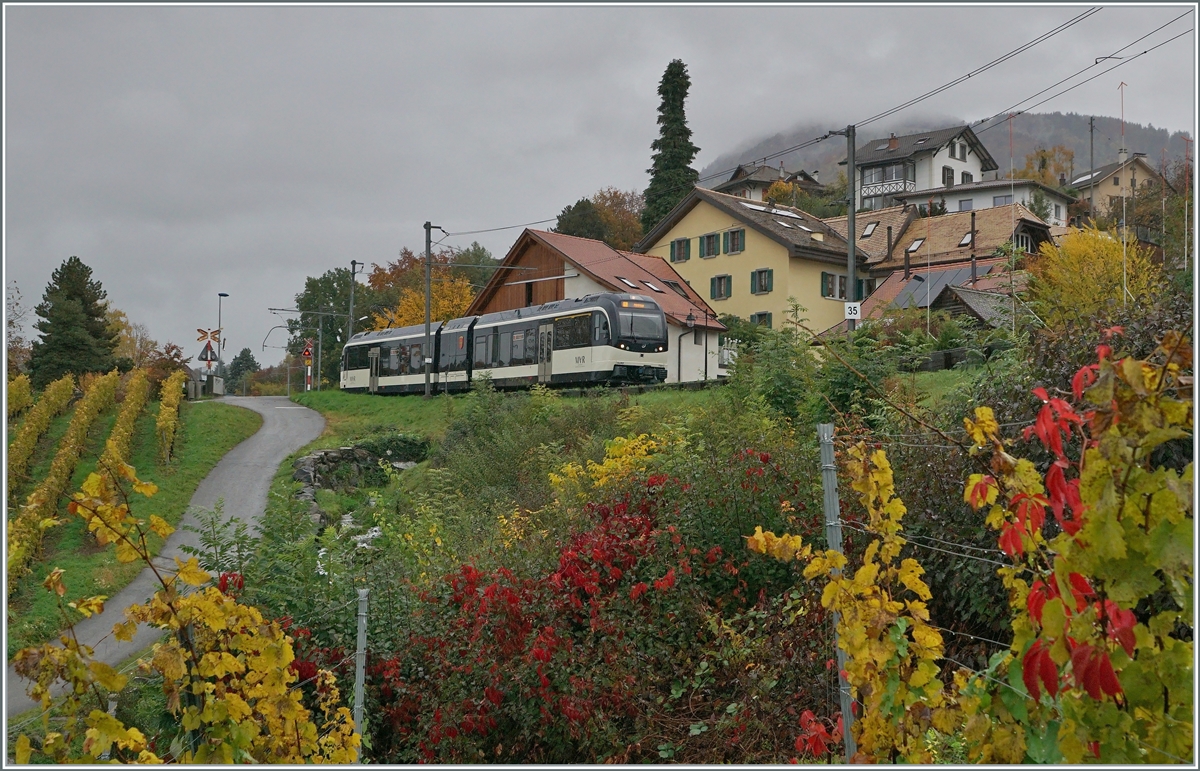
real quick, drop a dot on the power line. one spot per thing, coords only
(1082, 82)
(493, 230)
(1096, 63)
(1015, 52)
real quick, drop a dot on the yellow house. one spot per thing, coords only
(748, 257)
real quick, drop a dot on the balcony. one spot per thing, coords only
(890, 187)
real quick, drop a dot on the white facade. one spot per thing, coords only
(686, 349)
(575, 284)
(969, 198)
(925, 172)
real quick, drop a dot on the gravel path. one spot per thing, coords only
(243, 479)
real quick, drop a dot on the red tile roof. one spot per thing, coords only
(607, 267)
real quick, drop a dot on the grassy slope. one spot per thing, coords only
(350, 417)
(208, 431)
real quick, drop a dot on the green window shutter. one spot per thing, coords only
(712, 288)
(742, 240)
(672, 251)
(770, 280)
(687, 249)
(725, 242)
(753, 283)
(824, 284)
(859, 290)
(729, 286)
(768, 321)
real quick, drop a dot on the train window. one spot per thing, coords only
(641, 325)
(481, 351)
(518, 347)
(393, 359)
(505, 349)
(495, 349)
(415, 362)
(572, 332)
(599, 328)
(531, 337)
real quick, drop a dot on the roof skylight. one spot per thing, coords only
(677, 287)
(922, 140)
(915, 245)
(652, 286)
(965, 239)
(869, 229)
(883, 146)
(627, 282)
(784, 224)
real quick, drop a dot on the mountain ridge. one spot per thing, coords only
(1029, 132)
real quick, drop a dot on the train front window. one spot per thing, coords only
(600, 334)
(639, 325)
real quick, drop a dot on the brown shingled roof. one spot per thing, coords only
(941, 235)
(875, 245)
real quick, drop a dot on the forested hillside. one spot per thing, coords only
(1030, 131)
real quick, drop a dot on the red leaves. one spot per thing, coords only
(1010, 540)
(231, 584)
(1094, 672)
(1063, 494)
(493, 695)
(1039, 593)
(1083, 379)
(666, 582)
(638, 590)
(1037, 667)
(980, 492)
(816, 738)
(1120, 626)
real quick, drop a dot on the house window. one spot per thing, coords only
(869, 229)
(710, 245)
(675, 285)
(1057, 211)
(734, 241)
(1117, 181)
(763, 319)
(873, 203)
(966, 204)
(762, 281)
(528, 295)
(894, 172)
(721, 287)
(967, 178)
(1001, 200)
(872, 174)
(681, 249)
(947, 176)
(915, 245)
(833, 286)
(1023, 241)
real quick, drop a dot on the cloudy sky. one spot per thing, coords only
(186, 151)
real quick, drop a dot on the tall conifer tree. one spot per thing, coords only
(671, 174)
(75, 334)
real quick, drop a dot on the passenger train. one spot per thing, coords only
(601, 338)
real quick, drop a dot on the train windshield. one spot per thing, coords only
(641, 325)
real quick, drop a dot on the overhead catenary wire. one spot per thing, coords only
(933, 548)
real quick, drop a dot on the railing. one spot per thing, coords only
(889, 187)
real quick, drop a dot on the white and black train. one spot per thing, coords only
(602, 338)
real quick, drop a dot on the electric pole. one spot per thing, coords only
(350, 317)
(851, 277)
(1092, 169)
(428, 283)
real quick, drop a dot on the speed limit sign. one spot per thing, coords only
(854, 311)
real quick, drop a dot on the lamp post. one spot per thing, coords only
(691, 323)
(220, 333)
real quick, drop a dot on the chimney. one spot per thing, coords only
(816, 175)
(893, 143)
(1122, 155)
(1062, 179)
(781, 174)
(889, 243)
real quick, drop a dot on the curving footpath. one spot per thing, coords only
(242, 478)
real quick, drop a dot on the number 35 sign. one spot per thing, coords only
(854, 311)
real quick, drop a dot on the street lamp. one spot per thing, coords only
(220, 332)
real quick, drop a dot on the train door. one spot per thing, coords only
(373, 358)
(545, 352)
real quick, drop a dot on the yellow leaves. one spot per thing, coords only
(981, 490)
(784, 548)
(105, 730)
(910, 575)
(125, 630)
(127, 552)
(53, 582)
(984, 429)
(190, 573)
(217, 664)
(89, 605)
(927, 637)
(22, 750)
(168, 660)
(147, 489)
(160, 526)
(112, 680)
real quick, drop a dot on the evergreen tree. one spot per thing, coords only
(243, 365)
(671, 174)
(75, 334)
(581, 219)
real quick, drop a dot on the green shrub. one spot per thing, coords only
(396, 447)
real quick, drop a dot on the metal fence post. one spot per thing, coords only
(833, 535)
(360, 667)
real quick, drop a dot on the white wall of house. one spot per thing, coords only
(985, 199)
(929, 168)
(687, 355)
(575, 284)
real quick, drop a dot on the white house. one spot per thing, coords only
(993, 192)
(939, 159)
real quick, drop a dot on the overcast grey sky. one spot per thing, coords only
(186, 151)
